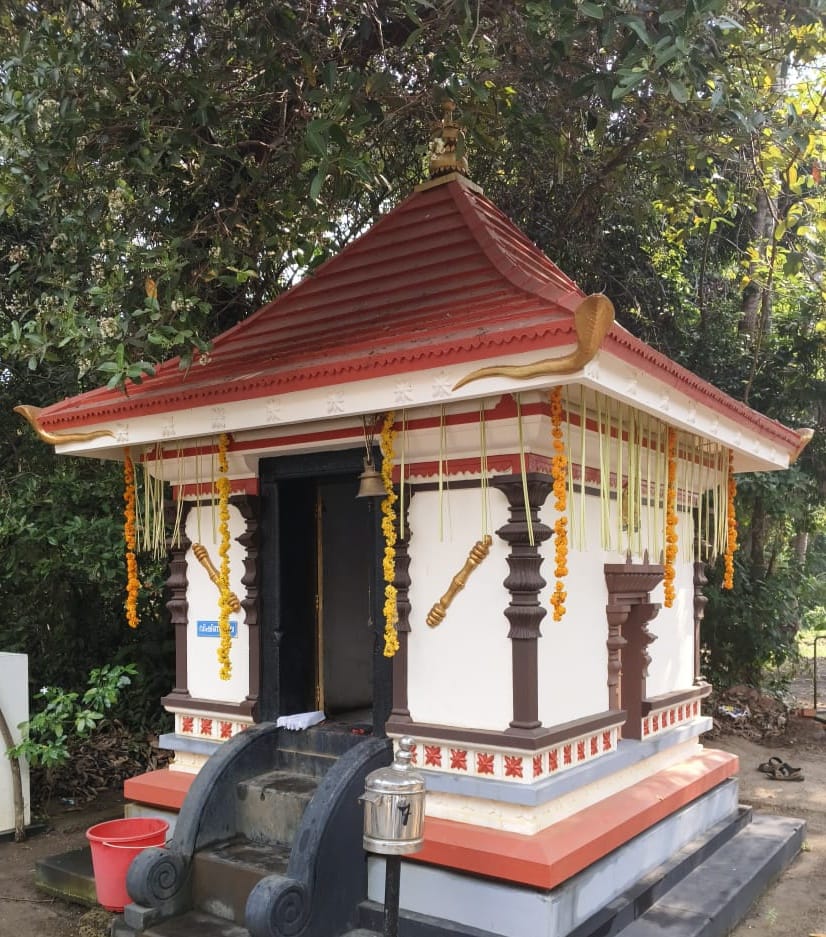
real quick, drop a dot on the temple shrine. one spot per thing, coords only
(520, 590)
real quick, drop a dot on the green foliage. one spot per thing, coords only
(67, 716)
(167, 168)
(750, 629)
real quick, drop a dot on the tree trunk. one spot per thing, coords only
(16, 781)
(800, 545)
(759, 523)
(753, 293)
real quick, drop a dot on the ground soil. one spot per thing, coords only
(795, 906)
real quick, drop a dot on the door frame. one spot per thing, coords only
(315, 466)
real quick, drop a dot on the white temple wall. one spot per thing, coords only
(202, 598)
(460, 671)
(672, 654)
(573, 657)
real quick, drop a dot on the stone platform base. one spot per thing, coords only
(702, 890)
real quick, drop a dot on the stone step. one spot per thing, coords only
(323, 739)
(303, 762)
(717, 894)
(270, 806)
(224, 875)
(68, 875)
(628, 906)
(191, 924)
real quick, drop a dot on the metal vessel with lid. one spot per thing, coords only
(394, 806)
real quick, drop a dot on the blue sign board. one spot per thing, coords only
(209, 629)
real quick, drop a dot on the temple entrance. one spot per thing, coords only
(321, 607)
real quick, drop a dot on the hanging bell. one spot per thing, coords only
(371, 484)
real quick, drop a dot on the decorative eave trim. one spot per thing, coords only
(626, 369)
(633, 351)
(399, 361)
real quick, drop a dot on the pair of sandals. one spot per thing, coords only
(779, 770)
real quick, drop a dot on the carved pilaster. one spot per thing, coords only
(249, 508)
(700, 602)
(524, 583)
(400, 710)
(629, 611)
(617, 615)
(176, 603)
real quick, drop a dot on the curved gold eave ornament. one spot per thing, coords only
(30, 414)
(593, 317)
(805, 435)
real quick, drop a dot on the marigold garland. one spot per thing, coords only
(130, 536)
(670, 520)
(388, 527)
(731, 535)
(225, 601)
(559, 468)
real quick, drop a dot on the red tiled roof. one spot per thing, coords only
(444, 274)
(444, 278)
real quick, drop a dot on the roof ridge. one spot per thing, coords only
(513, 272)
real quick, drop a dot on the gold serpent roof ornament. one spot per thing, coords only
(593, 317)
(30, 414)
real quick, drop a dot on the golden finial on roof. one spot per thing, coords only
(447, 145)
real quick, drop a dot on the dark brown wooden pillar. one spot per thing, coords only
(249, 508)
(700, 602)
(177, 604)
(524, 582)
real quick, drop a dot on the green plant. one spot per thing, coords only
(66, 716)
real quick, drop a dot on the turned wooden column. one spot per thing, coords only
(700, 602)
(249, 508)
(400, 711)
(524, 583)
(177, 604)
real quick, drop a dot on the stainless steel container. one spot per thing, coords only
(394, 806)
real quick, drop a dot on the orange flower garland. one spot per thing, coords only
(559, 466)
(130, 536)
(225, 599)
(670, 520)
(731, 536)
(388, 527)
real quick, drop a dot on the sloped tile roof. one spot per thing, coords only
(443, 276)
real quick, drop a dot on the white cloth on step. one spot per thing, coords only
(298, 721)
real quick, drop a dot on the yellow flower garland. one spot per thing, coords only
(388, 527)
(559, 466)
(130, 536)
(225, 600)
(670, 520)
(731, 536)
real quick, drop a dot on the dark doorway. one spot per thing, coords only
(321, 590)
(345, 620)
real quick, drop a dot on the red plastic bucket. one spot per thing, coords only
(114, 845)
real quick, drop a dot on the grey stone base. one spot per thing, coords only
(702, 891)
(132, 809)
(513, 910)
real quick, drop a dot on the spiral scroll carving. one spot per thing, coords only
(155, 876)
(278, 907)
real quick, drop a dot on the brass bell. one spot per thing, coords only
(371, 484)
